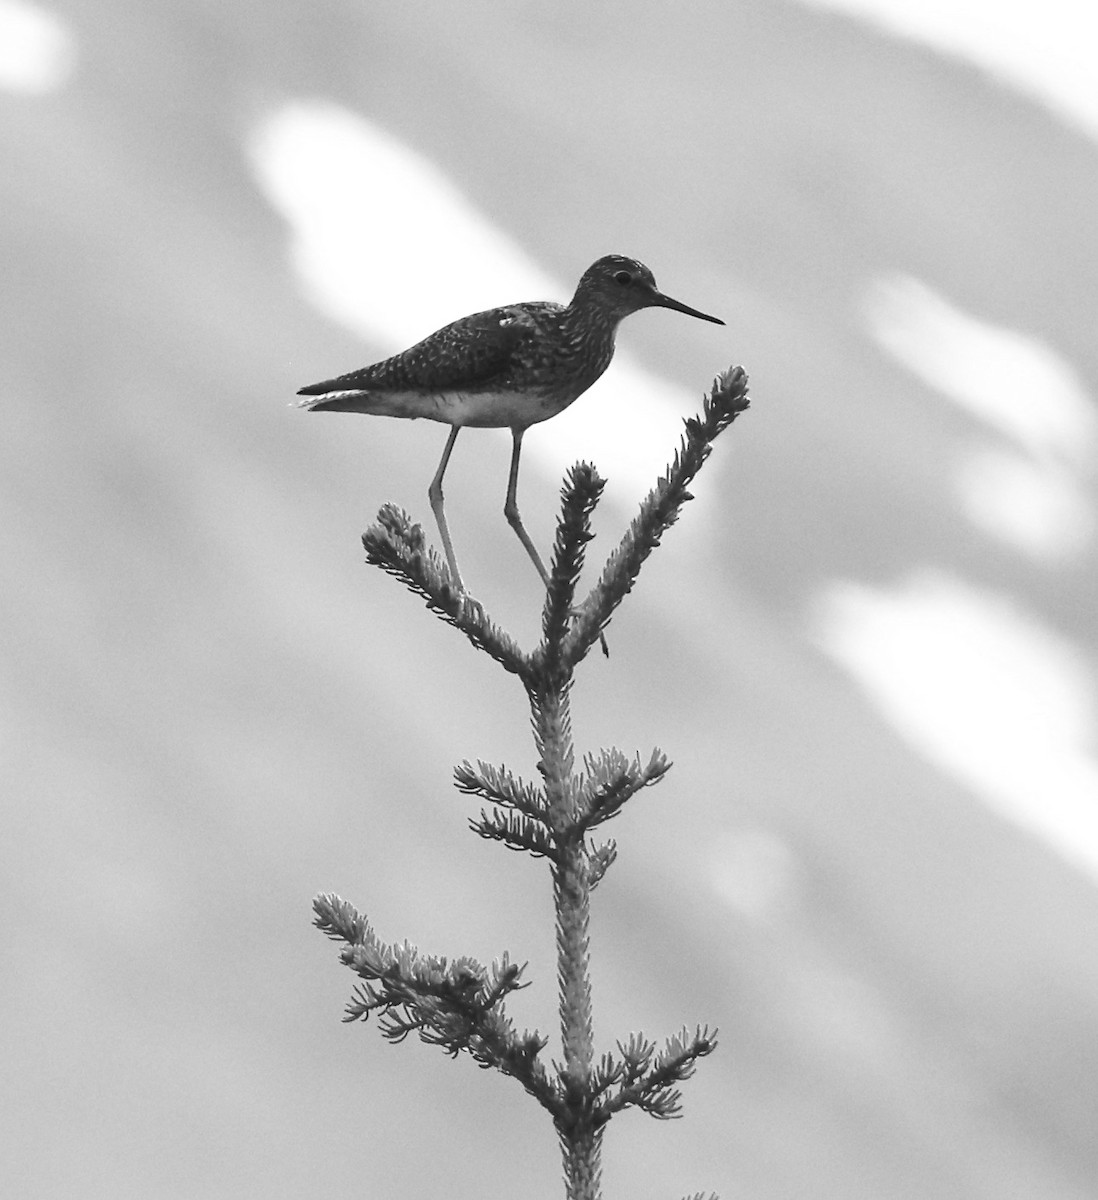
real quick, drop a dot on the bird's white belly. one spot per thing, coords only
(483, 409)
(495, 410)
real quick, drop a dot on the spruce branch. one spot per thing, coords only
(580, 493)
(515, 831)
(612, 779)
(456, 1005)
(645, 1079)
(399, 547)
(659, 511)
(600, 860)
(500, 786)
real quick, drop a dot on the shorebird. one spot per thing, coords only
(507, 367)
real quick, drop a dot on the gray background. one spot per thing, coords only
(212, 709)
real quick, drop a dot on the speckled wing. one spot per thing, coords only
(477, 352)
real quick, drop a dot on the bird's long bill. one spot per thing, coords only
(662, 301)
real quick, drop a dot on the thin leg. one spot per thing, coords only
(511, 512)
(434, 494)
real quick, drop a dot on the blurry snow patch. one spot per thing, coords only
(984, 692)
(386, 245)
(384, 242)
(1032, 497)
(37, 49)
(1014, 383)
(1037, 508)
(1044, 50)
(753, 871)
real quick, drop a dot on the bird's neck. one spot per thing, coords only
(589, 317)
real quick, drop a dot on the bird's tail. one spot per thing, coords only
(360, 400)
(328, 403)
(340, 401)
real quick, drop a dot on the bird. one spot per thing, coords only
(509, 367)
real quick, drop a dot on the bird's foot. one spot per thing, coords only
(470, 608)
(574, 614)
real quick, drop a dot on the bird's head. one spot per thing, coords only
(620, 286)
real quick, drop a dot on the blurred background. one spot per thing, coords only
(869, 645)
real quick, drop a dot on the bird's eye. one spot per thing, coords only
(623, 277)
